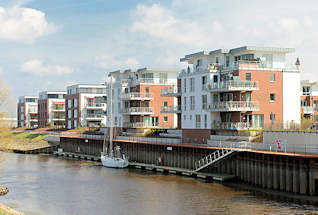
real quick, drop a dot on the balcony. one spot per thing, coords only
(233, 106)
(309, 109)
(95, 106)
(59, 119)
(171, 92)
(137, 111)
(138, 125)
(95, 117)
(230, 86)
(136, 96)
(171, 109)
(232, 126)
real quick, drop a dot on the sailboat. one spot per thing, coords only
(108, 157)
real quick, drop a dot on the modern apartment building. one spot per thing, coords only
(237, 89)
(51, 109)
(27, 111)
(85, 106)
(309, 100)
(137, 102)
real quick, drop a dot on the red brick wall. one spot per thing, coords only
(262, 96)
(198, 136)
(43, 112)
(72, 97)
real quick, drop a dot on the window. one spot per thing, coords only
(191, 84)
(227, 61)
(184, 117)
(75, 124)
(185, 103)
(192, 102)
(147, 90)
(119, 122)
(75, 113)
(272, 77)
(75, 102)
(216, 60)
(197, 121)
(165, 119)
(163, 78)
(204, 101)
(69, 114)
(69, 103)
(198, 63)
(204, 81)
(205, 121)
(69, 124)
(165, 104)
(115, 120)
(215, 79)
(272, 97)
(272, 117)
(247, 76)
(185, 85)
(119, 106)
(190, 117)
(165, 90)
(22, 109)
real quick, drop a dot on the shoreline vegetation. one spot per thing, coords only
(11, 140)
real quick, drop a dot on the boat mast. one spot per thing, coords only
(111, 119)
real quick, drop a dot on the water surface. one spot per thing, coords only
(41, 184)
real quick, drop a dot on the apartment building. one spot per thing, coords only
(85, 106)
(27, 111)
(237, 89)
(136, 102)
(51, 109)
(309, 100)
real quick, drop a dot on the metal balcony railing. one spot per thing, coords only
(171, 109)
(234, 106)
(173, 91)
(95, 116)
(136, 96)
(138, 125)
(95, 105)
(233, 126)
(309, 109)
(232, 85)
(137, 110)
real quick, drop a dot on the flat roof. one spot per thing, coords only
(236, 50)
(144, 69)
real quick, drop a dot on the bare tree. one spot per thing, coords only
(6, 104)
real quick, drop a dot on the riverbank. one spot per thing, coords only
(5, 210)
(11, 141)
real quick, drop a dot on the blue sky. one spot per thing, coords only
(46, 45)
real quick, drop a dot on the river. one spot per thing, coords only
(41, 184)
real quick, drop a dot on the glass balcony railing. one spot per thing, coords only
(233, 85)
(95, 105)
(171, 109)
(234, 106)
(136, 96)
(137, 110)
(95, 116)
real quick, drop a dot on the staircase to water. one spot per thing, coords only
(212, 158)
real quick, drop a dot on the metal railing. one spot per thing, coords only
(171, 109)
(136, 95)
(172, 91)
(233, 125)
(232, 85)
(137, 110)
(95, 116)
(234, 106)
(309, 109)
(95, 105)
(138, 125)
(274, 147)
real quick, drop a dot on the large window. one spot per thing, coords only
(192, 84)
(205, 121)
(204, 101)
(185, 85)
(163, 78)
(192, 102)
(185, 103)
(248, 76)
(272, 77)
(198, 121)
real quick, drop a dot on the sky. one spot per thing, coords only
(47, 45)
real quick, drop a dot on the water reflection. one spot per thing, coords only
(49, 185)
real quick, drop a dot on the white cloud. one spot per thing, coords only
(24, 24)
(37, 67)
(111, 63)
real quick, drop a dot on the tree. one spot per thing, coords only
(6, 104)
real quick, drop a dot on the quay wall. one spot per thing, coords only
(281, 172)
